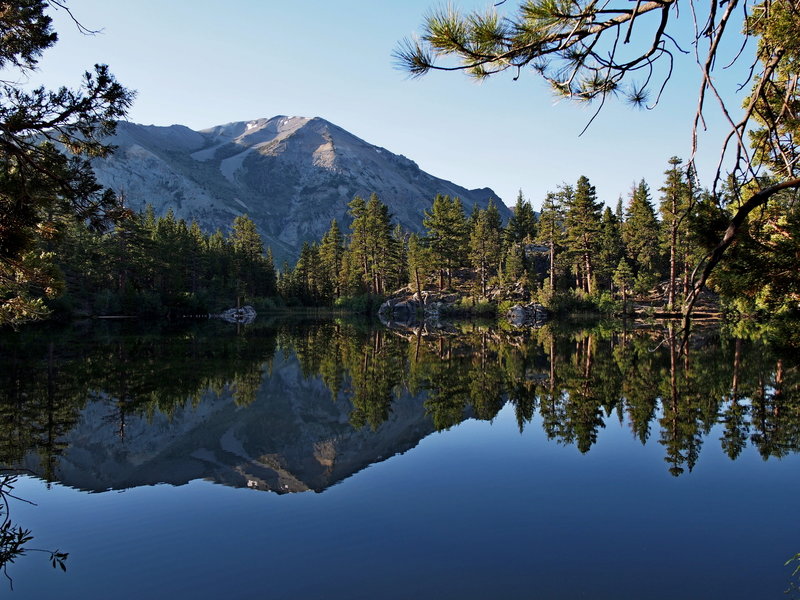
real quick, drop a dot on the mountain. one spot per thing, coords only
(291, 175)
(292, 438)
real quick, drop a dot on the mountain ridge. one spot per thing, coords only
(291, 175)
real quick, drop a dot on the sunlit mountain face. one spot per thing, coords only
(291, 175)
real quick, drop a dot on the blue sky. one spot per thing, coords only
(204, 63)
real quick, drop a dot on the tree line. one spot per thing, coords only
(576, 248)
(576, 251)
(154, 266)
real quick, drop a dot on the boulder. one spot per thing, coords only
(527, 315)
(244, 315)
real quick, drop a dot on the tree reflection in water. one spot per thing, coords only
(573, 380)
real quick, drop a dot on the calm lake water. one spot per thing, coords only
(330, 459)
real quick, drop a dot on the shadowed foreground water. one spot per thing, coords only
(358, 462)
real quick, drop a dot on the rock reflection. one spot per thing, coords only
(293, 406)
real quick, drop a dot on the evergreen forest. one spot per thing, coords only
(575, 254)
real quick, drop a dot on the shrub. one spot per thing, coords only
(606, 304)
(571, 301)
(363, 303)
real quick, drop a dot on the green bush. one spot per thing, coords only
(362, 304)
(571, 302)
(606, 303)
(470, 307)
(505, 306)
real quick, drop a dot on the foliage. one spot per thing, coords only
(14, 538)
(581, 229)
(485, 245)
(575, 47)
(151, 267)
(42, 189)
(640, 235)
(571, 302)
(447, 235)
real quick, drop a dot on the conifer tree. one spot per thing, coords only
(610, 248)
(522, 224)
(305, 275)
(448, 235)
(623, 279)
(640, 233)
(676, 204)
(420, 261)
(397, 258)
(485, 245)
(42, 190)
(379, 243)
(551, 231)
(248, 256)
(197, 261)
(331, 255)
(582, 224)
(358, 248)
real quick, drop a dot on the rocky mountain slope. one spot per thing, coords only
(292, 438)
(291, 175)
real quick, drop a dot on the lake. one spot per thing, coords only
(340, 459)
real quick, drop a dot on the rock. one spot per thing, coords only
(244, 315)
(399, 310)
(528, 315)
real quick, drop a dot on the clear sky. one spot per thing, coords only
(204, 63)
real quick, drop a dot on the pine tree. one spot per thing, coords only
(306, 276)
(331, 256)
(448, 235)
(676, 204)
(522, 224)
(420, 261)
(379, 243)
(551, 231)
(270, 277)
(248, 255)
(582, 224)
(42, 190)
(623, 279)
(640, 233)
(358, 248)
(485, 245)
(610, 248)
(397, 258)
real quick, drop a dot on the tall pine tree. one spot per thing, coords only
(582, 225)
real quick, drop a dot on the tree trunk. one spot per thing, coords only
(673, 240)
(588, 266)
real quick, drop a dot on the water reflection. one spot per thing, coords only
(293, 406)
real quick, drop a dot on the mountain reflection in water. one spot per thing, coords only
(289, 406)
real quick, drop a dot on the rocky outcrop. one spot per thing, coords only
(408, 309)
(527, 315)
(244, 315)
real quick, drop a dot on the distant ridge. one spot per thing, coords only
(291, 175)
